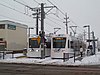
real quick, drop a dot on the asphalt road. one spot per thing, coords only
(26, 69)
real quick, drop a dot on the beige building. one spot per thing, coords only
(15, 35)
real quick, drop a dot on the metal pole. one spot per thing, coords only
(42, 18)
(74, 55)
(42, 31)
(29, 32)
(93, 42)
(66, 24)
(89, 34)
(37, 22)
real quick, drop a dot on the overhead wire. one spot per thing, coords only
(39, 3)
(15, 10)
(12, 18)
(62, 12)
(55, 19)
(46, 23)
(45, 29)
(50, 19)
(55, 22)
(56, 7)
(36, 2)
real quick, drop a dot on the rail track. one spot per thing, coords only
(34, 69)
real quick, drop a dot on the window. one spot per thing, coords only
(33, 43)
(2, 26)
(12, 27)
(59, 42)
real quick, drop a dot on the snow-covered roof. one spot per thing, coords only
(13, 23)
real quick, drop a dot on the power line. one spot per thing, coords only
(11, 8)
(58, 16)
(23, 4)
(62, 12)
(56, 19)
(56, 7)
(12, 18)
(76, 24)
(48, 25)
(45, 29)
(72, 21)
(14, 9)
(36, 2)
(55, 22)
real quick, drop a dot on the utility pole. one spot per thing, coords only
(42, 17)
(42, 28)
(37, 17)
(42, 32)
(66, 22)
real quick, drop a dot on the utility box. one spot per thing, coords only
(14, 34)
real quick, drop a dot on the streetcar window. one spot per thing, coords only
(33, 43)
(59, 42)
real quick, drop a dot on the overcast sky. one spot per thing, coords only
(80, 12)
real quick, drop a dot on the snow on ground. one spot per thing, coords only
(87, 60)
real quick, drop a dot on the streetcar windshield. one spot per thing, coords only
(59, 42)
(33, 43)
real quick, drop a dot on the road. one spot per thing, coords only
(32, 69)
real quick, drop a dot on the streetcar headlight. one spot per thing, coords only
(30, 50)
(37, 50)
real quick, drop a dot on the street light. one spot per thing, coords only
(56, 30)
(29, 30)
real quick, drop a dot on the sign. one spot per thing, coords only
(38, 39)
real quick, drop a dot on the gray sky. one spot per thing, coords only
(81, 12)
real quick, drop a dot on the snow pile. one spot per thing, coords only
(87, 60)
(91, 60)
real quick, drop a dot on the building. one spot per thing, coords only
(13, 34)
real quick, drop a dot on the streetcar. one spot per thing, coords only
(37, 49)
(64, 45)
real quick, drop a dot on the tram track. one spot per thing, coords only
(21, 69)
